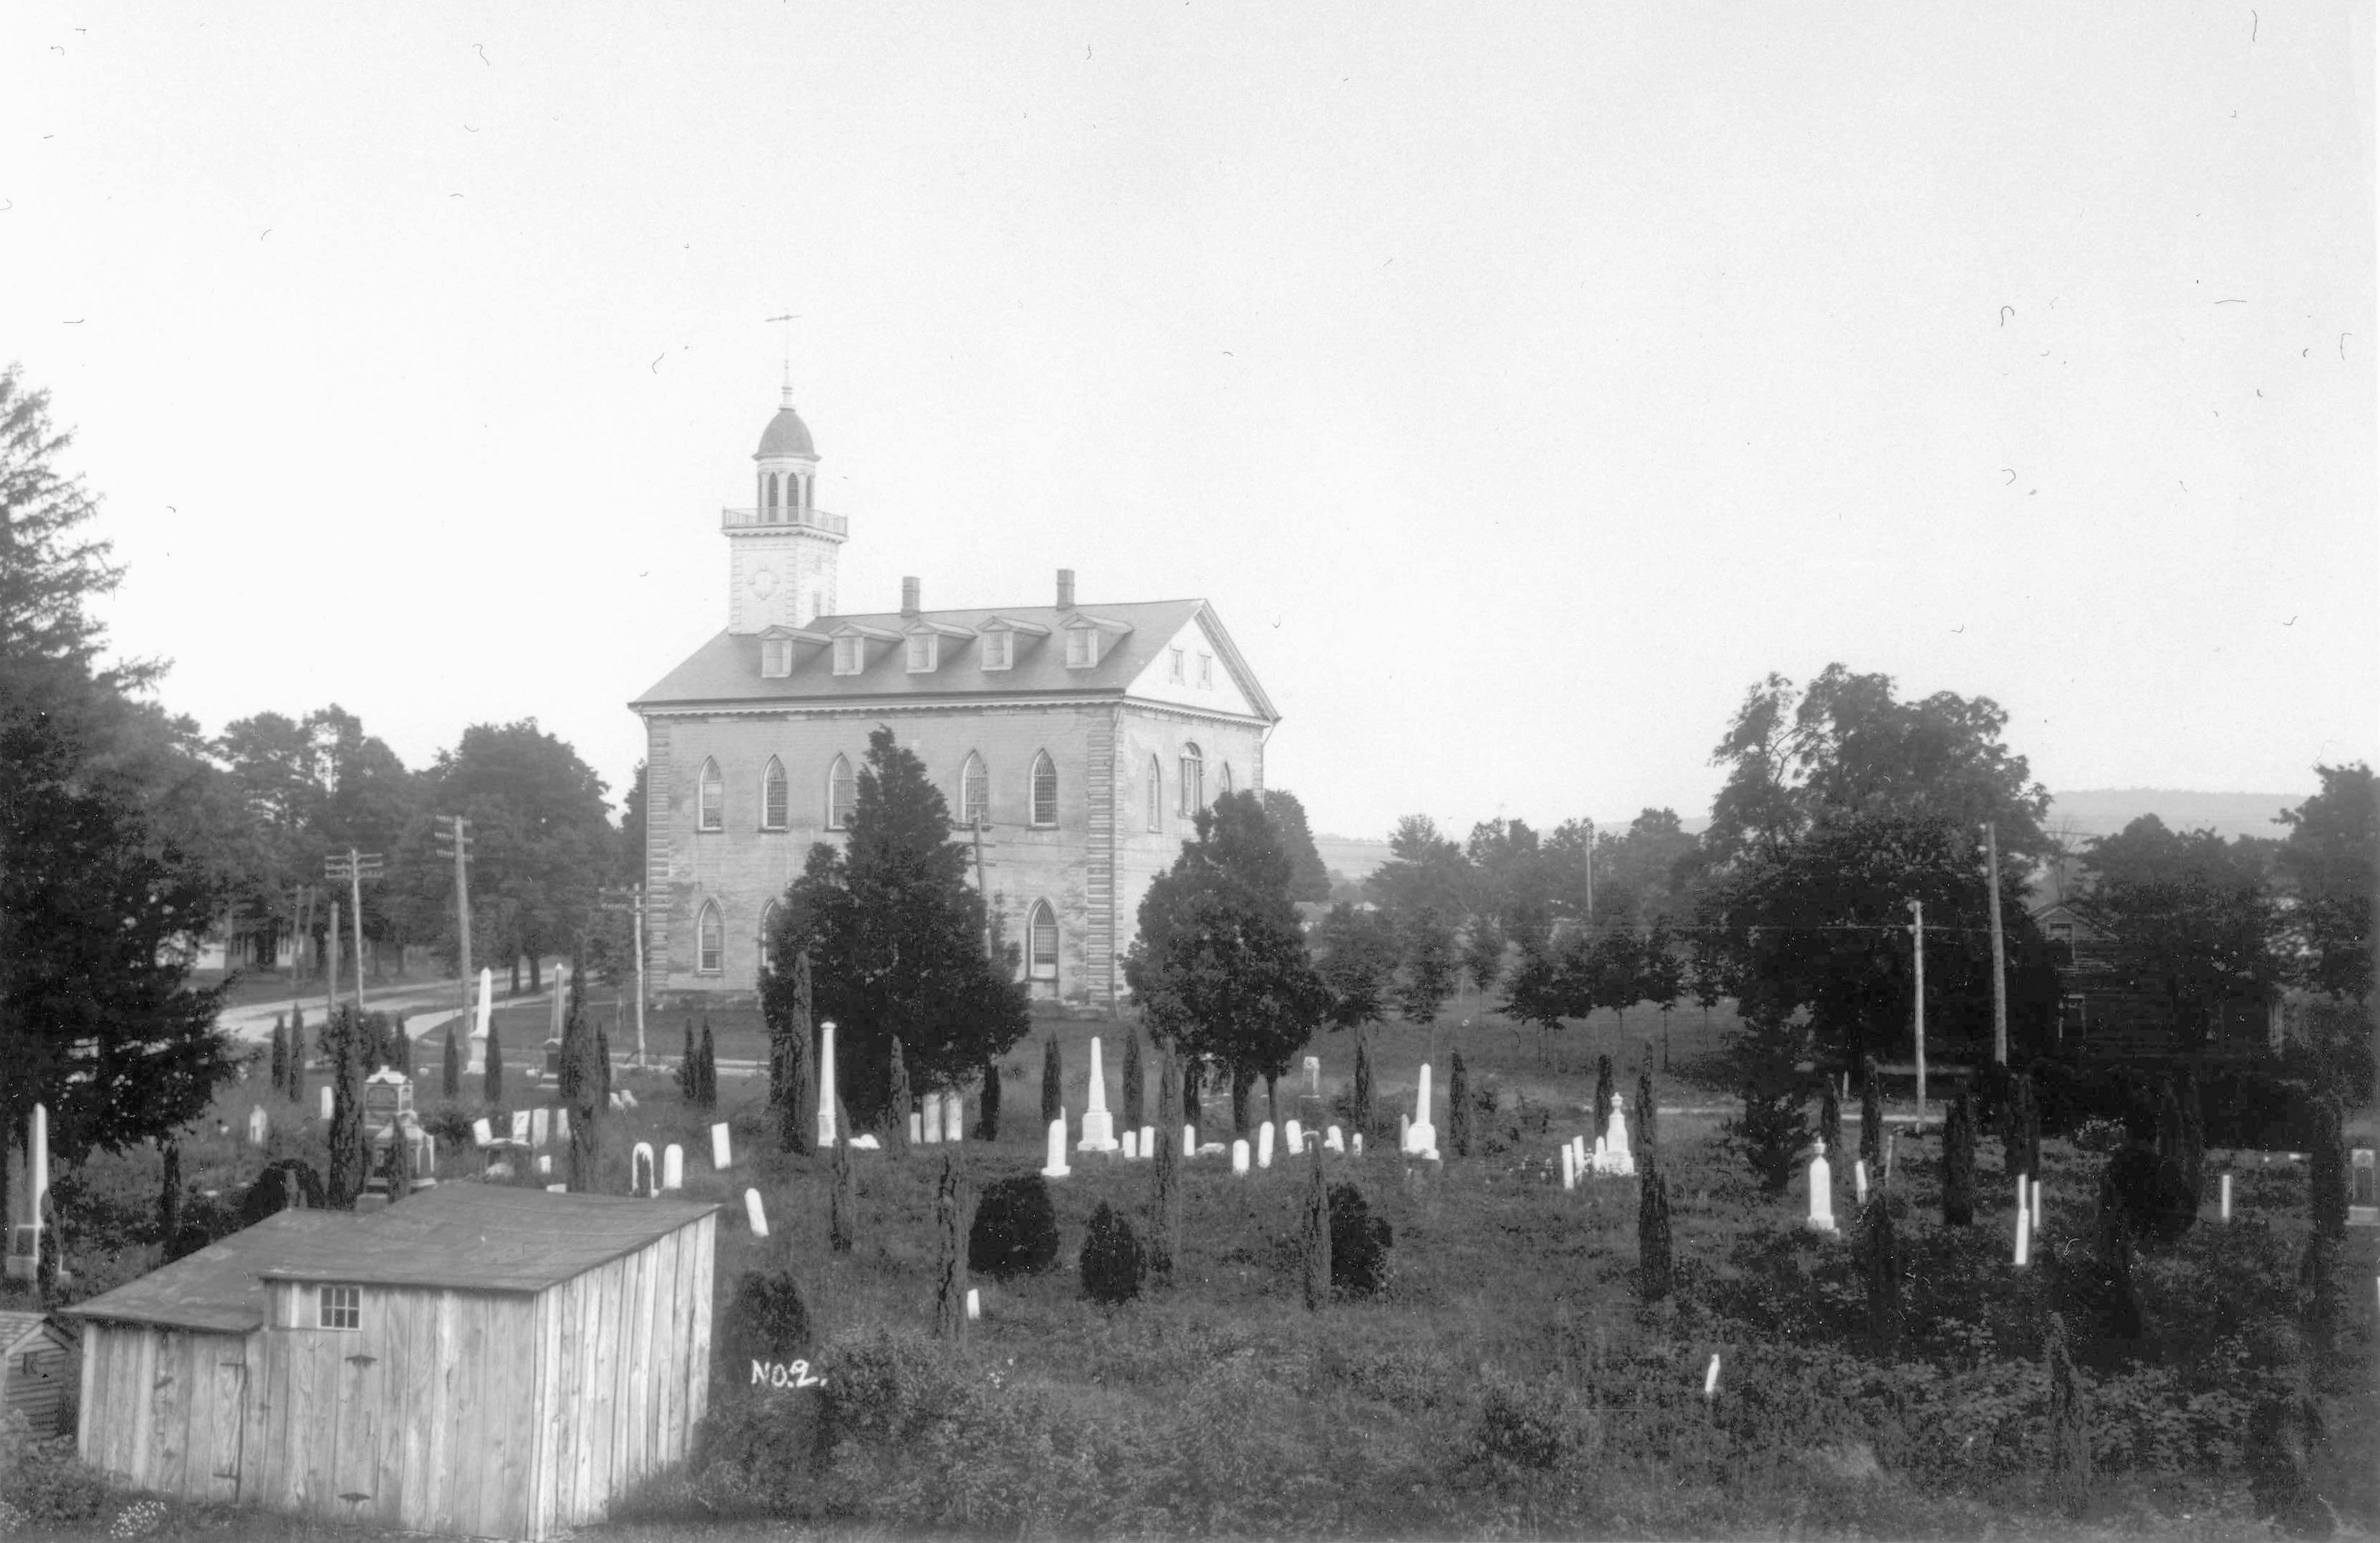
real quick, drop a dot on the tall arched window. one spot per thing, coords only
(774, 805)
(708, 936)
(710, 799)
(768, 931)
(1045, 790)
(1223, 778)
(1193, 780)
(840, 793)
(772, 494)
(1041, 941)
(975, 792)
(1155, 795)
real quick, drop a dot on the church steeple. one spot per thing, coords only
(783, 550)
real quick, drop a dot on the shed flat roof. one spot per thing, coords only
(216, 1288)
(483, 1237)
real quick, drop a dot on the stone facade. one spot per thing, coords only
(1162, 704)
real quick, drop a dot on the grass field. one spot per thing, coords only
(1508, 1383)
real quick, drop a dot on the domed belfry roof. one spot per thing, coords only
(785, 435)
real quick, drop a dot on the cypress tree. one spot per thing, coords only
(1192, 1112)
(2318, 1295)
(1134, 1105)
(798, 1112)
(2070, 1421)
(1883, 1261)
(1165, 1219)
(1959, 1163)
(689, 1069)
(1112, 1262)
(1053, 1087)
(585, 1080)
(453, 1066)
(842, 1201)
(988, 1122)
(1458, 1106)
(169, 1194)
(297, 1089)
(492, 1084)
(602, 1068)
(1648, 1128)
(1317, 1250)
(1244, 1081)
(2193, 1133)
(1871, 1118)
(1603, 1093)
(1361, 1115)
(951, 1227)
(2124, 1316)
(2170, 1140)
(2028, 1107)
(896, 1135)
(708, 1075)
(348, 1152)
(1831, 1124)
(1656, 1269)
(397, 1169)
(400, 1045)
(2327, 1170)
(280, 1055)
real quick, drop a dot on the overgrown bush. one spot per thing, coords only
(43, 1486)
(271, 1191)
(2148, 1191)
(1773, 1132)
(1112, 1262)
(450, 1123)
(1015, 1230)
(1359, 1244)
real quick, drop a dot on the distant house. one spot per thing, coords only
(37, 1370)
(2105, 1012)
(477, 1360)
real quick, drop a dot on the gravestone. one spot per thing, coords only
(1099, 1125)
(1240, 1159)
(1264, 1144)
(1314, 1075)
(325, 1102)
(1334, 1141)
(258, 1124)
(1056, 1167)
(755, 1214)
(954, 1117)
(520, 1126)
(1293, 1136)
(2363, 1200)
(1148, 1142)
(673, 1166)
(539, 1130)
(1421, 1134)
(1130, 1142)
(721, 1156)
(1822, 1193)
(482, 1133)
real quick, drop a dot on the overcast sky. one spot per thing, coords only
(1520, 383)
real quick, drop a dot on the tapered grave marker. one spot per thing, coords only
(1056, 1168)
(1099, 1125)
(754, 1214)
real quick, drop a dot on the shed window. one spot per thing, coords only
(772, 795)
(1193, 780)
(839, 795)
(710, 799)
(340, 1307)
(708, 938)
(1045, 790)
(1043, 931)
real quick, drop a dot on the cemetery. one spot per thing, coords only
(1569, 1304)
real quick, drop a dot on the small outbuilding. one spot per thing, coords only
(37, 1370)
(477, 1360)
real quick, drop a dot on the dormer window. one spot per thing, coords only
(922, 653)
(999, 648)
(850, 655)
(1081, 646)
(776, 657)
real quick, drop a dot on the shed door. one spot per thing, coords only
(228, 1413)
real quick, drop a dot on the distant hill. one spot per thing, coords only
(2102, 811)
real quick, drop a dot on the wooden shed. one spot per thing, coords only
(37, 1370)
(476, 1360)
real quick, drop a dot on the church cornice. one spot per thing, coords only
(861, 707)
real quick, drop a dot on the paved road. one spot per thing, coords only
(427, 1005)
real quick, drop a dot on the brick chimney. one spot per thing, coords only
(908, 596)
(1065, 589)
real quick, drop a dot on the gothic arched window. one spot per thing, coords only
(841, 791)
(1223, 778)
(975, 792)
(708, 935)
(1041, 942)
(768, 929)
(1193, 780)
(774, 805)
(1045, 790)
(710, 799)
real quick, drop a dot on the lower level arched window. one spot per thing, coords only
(1223, 778)
(768, 931)
(841, 791)
(1193, 780)
(1041, 941)
(709, 936)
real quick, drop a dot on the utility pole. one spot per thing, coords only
(981, 893)
(355, 868)
(454, 841)
(330, 968)
(1590, 873)
(631, 900)
(1917, 932)
(1999, 955)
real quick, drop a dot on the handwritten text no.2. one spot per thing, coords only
(784, 1374)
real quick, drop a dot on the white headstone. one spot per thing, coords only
(627, 1096)
(37, 1164)
(917, 1133)
(1099, 1125)
(2034, 1209)
(642, 1178)
(721, 1156)
(487, 1012)
(483, 1132)
(1240, 1158)
(953, 1116)
(673, 1166)
(618, 1100)
(1292, 1137)
(538, 1133)
(562, 1124)
(1189, 1141)
(520, 1126)
(865, 1144)
(1148, 1141)
(927, 1124)
(1821, 1194)
(1334, 1141)
(325, 1102)
(544, 1163)
(826, 1085)
(1130, 1141)
(1615, 1136)
(1264, 1144)
(1859, 1179)
(754, 1214)
(1056, 1168)
(1421, 1135)
(1313, 1073)
(2023, 1236)
(258, 1124)
(974, 1305)
(1710, 1379)
(2227, 1198)
(1355, 1144)
(1569, 1166)
(554, 1188)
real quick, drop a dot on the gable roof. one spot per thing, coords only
(216, 1288)
(725, 672)
(16, 1328)
(470, 1236)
